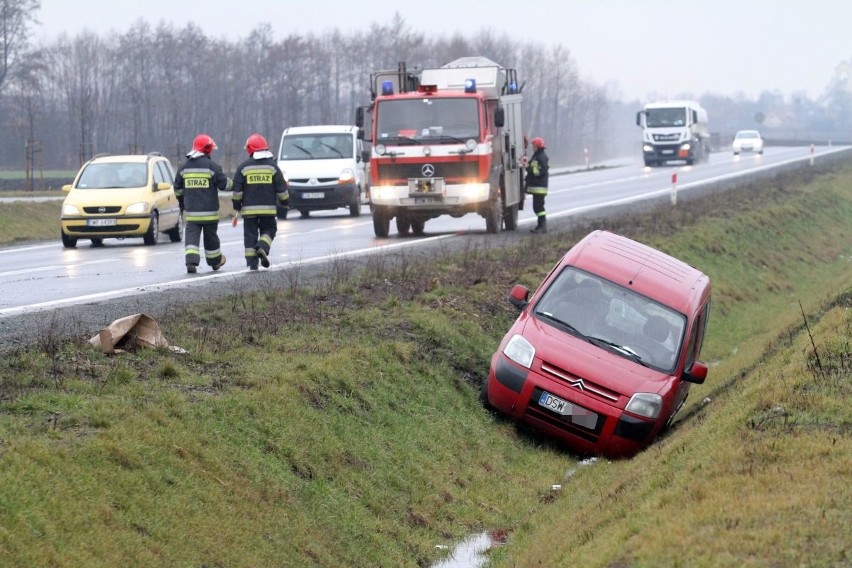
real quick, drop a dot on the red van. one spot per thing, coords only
(604, 352)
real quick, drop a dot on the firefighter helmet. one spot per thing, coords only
(255, 143)
(538, 143)
(203, 143)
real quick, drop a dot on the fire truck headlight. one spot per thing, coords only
(380, 149)
(470, 144)
(476, 191)
(380, 192)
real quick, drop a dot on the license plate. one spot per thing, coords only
(425, 200)
(100, 222)
(578, 414)
(316, 195)
(668, 151)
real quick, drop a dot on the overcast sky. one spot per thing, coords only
(642, 48)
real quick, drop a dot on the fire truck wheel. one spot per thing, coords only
(403, 224)
(381, 223)
(494, 217)
(510, 217)
(417, 226)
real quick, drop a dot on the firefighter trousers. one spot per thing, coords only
(192, 238)
(258, 233)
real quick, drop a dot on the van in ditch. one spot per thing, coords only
(326, 167)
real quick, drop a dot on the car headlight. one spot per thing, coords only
(346, 176)
(520, 351)
(68, 209)
(645, 404)
(140, 207)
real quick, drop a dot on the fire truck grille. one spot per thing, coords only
(455, 171)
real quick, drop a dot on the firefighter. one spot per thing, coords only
(197, 185)
(536, 185)
(259, 186)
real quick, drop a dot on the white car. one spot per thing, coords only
(748, 141)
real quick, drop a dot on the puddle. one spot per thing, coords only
(471, 552)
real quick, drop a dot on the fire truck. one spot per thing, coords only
(445, 141)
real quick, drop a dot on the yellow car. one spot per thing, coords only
(120, 197)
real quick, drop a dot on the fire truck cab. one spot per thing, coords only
(445, 141)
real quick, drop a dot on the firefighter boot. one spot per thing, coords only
(264, 258)
(219, 264)
(541, 228)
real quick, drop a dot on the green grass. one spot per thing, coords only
(46, 174)
(339, 425)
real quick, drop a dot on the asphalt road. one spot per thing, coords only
(47, 289)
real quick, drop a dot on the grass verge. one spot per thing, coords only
(338, 425)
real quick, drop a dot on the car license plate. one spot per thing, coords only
(315, 195)
(578, 414)
(100, 222)
(668, 151)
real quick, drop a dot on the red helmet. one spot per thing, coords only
(203, 143)
(537, 142)
(255, 143)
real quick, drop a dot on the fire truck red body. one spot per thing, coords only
(445, 141)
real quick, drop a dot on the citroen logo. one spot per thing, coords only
(577, 383)
(428, 170)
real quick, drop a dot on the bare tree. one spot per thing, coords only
(15, 19)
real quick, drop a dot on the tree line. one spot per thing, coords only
(153, 87)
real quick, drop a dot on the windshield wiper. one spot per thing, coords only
(332, 148)
(305, 150)
(621, 348)
(571, 328)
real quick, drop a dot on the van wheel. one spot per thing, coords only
(153, 234)
(68, 242)
(355, 209)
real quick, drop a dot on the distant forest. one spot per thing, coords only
(153, 88)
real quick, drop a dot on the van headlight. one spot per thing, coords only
(520, 351)
(645, 404)
(68, 209)
(137, 208)
(346, 176)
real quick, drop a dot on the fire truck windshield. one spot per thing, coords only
(432, 119)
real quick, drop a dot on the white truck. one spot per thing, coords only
(325, 167)
(446, 141)
(674, 130)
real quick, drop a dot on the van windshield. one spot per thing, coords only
(614, 317)
(316, 147)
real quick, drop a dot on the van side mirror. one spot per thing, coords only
(519, 296)
(696, 374)
(359, 120)
(366, 153)
(639, 118)
(499, 117)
